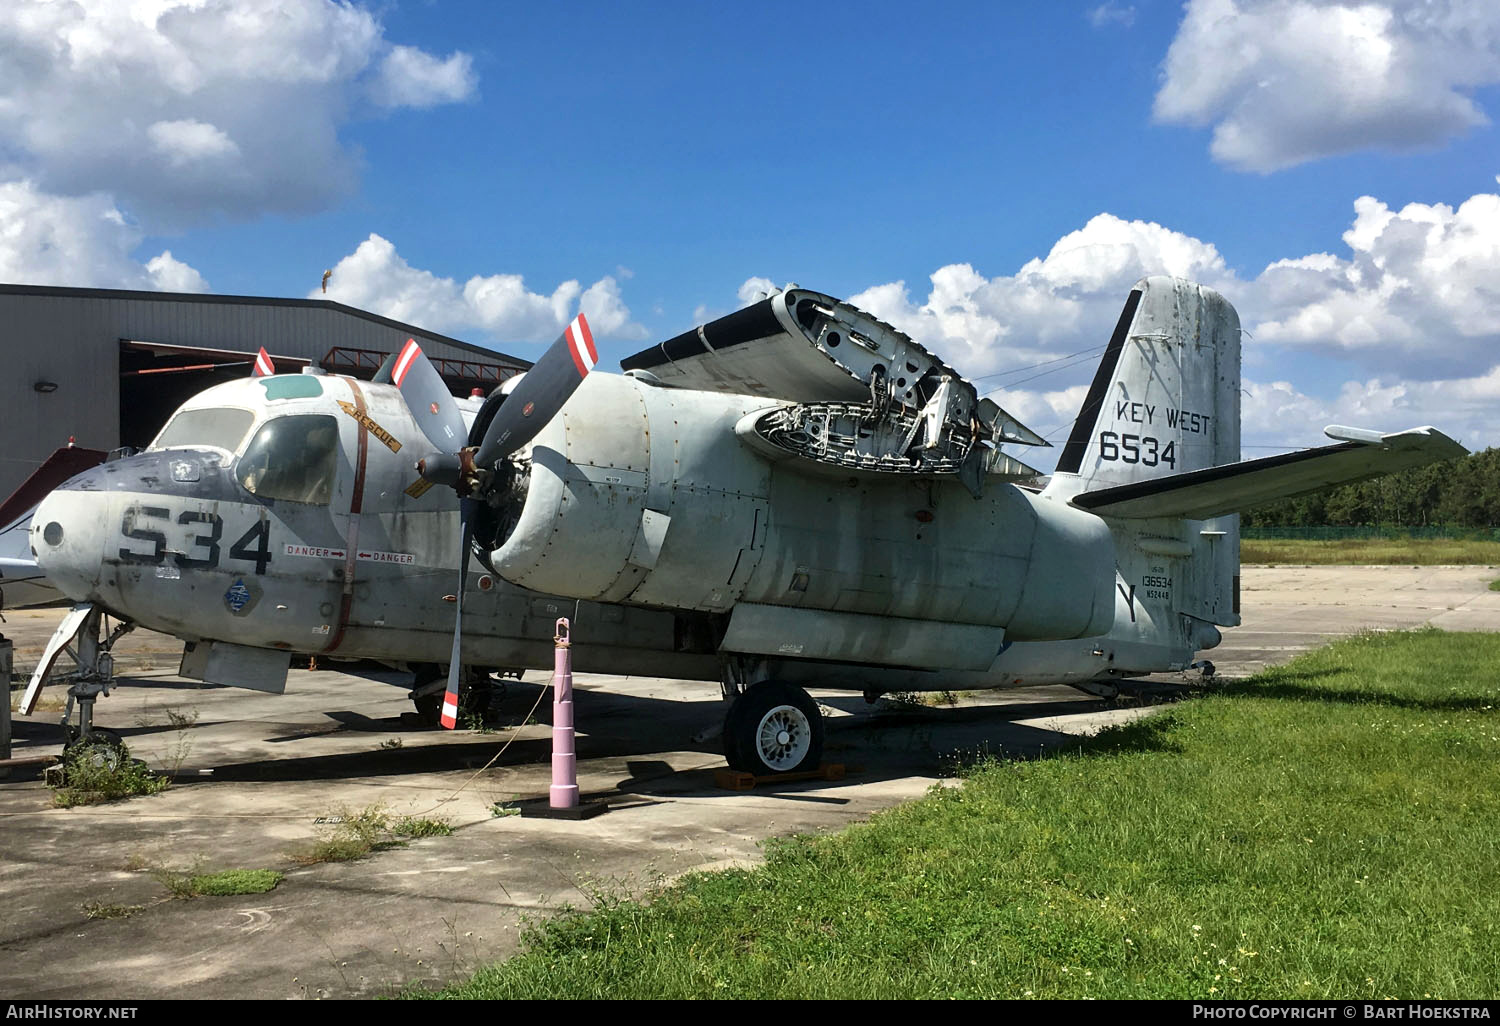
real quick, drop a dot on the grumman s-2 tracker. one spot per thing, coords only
(794, 495)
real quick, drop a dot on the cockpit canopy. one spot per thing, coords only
(217, 427)
(292, 458)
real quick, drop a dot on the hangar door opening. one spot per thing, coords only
(156, 378)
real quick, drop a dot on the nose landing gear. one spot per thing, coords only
(79, 635)
(94, 676)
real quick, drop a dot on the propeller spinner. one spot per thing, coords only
(469, 470)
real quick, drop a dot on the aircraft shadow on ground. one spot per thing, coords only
(888, 742)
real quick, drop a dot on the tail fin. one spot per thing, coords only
(1165, 401)
(1166, 396)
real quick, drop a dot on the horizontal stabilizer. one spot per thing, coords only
(1218, 491)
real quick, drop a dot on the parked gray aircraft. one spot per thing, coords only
(797, 494)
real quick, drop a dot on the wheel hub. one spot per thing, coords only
(783, 737)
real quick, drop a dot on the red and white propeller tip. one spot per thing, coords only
(404, 362)
(264, 366)
(581, 345)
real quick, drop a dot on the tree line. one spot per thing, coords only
(1461, 493)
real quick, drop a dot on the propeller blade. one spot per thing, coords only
(449, 717)
(541, 393)
(264, 366)
(432, 405)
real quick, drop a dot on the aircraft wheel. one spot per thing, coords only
(102, 748)
(474, 700)
(429, 709)
(773, 728)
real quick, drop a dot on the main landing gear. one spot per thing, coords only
(479, 695)
(771, 727)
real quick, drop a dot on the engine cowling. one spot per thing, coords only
(647, 495)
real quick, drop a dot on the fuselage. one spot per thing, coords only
(284, 512)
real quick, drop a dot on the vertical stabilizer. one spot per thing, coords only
(1166, 396)
(1165, 400)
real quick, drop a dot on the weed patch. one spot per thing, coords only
(98, 910)
(349, 834)
(101, 773)
(411, 826)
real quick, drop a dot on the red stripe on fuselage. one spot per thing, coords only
(356, 504)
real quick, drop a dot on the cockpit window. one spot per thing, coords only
(291, 458)
(220, 428)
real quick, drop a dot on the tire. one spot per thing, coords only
(429, 709)
(473, 701)
(774, 728)
(102, 748)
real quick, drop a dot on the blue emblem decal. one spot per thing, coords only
(238, 596)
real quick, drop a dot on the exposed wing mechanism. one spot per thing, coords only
(1218, 491)
(866, 397)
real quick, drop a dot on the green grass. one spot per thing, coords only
(1327, 829)
(412, 826)
(1495, 585)
(225, 882)
(237, 881)
(1373, 551)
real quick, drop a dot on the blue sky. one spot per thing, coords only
(989, 177)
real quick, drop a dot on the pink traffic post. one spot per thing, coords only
(564, 790)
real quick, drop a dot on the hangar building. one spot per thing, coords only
(108, 366)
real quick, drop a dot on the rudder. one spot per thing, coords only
(1166, 396)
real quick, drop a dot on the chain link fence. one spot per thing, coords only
(1364, 533)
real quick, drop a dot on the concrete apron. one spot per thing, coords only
(437, 909)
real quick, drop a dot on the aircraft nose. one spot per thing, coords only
(67, 535)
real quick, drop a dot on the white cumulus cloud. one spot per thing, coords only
(1288, 81)
(754, 290)
(184, 110)
(1107, 14)
(1409, 305)
(377, 278)
(410, 77)
(183, 142)
(990, 325)
(80, 241)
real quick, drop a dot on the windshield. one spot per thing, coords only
(291, 458)
(219, 428)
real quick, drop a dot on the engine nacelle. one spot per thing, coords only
(646, 495)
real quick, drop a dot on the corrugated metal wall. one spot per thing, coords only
(72, 337)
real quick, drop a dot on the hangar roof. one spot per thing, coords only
(212, 298)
